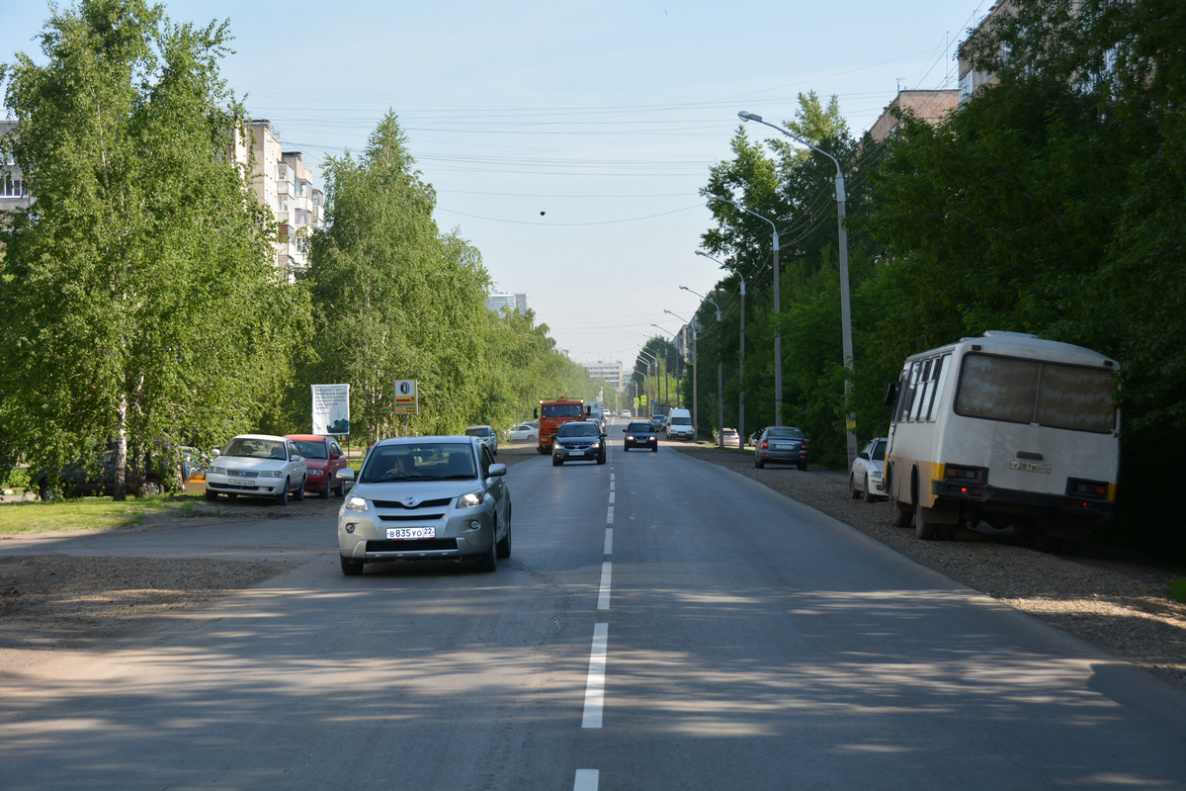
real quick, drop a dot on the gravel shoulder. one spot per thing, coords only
(1117, 603)
(58, 602)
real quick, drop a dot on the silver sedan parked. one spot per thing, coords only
(426, 498)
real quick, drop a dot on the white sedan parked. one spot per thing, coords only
(525, 432)
(257, 465)
(865, 480)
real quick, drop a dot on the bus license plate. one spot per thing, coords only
(410, 533)
(1029, 466)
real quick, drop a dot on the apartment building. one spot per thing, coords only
(282, 182)
(14, 192)
(611, 372)
(929, 106)
(506, 301)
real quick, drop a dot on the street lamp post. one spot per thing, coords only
(741, 356)
(653, 359)
(777, 303)
(845, 310)
(695, 399)
(720, 375)
(672, 346)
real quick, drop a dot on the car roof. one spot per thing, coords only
(272, 437)
(308, 437)
(432, 438)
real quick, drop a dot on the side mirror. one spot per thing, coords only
(333, 456)
(890, 397)
(214, 454)
(497, 470)
(863, 455)
(535, 414)
(344, 474)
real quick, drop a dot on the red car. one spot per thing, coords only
(324, 457)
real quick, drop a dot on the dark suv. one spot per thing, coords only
(641, 434)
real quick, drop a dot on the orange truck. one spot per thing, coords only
(552, 414)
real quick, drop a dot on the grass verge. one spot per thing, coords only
(91, 513)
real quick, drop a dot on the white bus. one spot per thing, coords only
(1007, 429)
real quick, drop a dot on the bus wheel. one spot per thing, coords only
(924, 528)
(899, 514)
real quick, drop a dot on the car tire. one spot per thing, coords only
(556, 462)
(503, 547)
(601, 458)
(488, 561)
(350, 567)
(852, 487)
(866, 496)
(282, 498)
(759, 463)
(801, 465)
(300, 492)
(924, 528)
(324, 493)
(655, 449)
(340, 492)
(151, 488)
(211, 496)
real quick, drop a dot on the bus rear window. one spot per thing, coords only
(1029, 391)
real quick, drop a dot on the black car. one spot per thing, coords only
(641, 434)
(152, 476)
(781, 445)
(578, 440)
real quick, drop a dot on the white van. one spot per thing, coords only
(679, 424)
(1008, 429)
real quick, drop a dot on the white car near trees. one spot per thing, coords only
(525, 432)
(865, 479)
(258, 465)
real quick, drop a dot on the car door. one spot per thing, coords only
(298, 468)
(337, 461)
(497, 487)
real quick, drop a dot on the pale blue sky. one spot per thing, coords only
(606, 116)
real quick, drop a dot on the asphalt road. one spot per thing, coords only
(662, 624)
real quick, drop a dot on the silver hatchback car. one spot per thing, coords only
(426, 498)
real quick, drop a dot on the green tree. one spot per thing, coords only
(140, 299)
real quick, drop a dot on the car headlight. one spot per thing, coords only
(218, 470)
(630, 437)
(470, 500)
(355, 503)
(270, 473)
(316, 473)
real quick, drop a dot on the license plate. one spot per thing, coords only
(1029, 466)
(410, 533)
(244, 482)
(576, 453)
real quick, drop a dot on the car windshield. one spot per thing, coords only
(784, 431)
(561, 410)
(578, 430)
(311, 449)
(681, 421)
(878, 453)
(429, 461)
(640, 428)
(255, 448)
